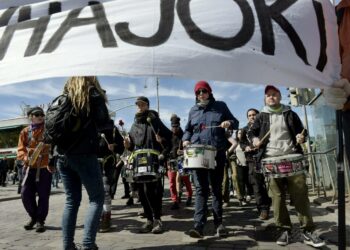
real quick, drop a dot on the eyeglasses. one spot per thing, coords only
(39, 114)
(201, 91)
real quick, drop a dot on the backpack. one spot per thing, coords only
(61, 122)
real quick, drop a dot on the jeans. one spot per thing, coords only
(78, 170)
(202, 179)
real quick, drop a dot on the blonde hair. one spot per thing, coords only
(77, 88)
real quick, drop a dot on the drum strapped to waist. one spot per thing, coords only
(199, 156)
(143, 166)
(284, 166)
(176, 165)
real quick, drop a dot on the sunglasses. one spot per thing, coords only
(38, 114)
(201, 91)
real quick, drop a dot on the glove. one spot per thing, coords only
(337, 95)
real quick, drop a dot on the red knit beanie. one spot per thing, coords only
(202, 85)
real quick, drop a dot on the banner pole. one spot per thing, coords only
(341, 186)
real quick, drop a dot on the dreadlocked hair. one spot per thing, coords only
(77, 88)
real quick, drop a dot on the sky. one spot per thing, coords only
(175, 96)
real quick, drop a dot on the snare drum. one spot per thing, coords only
(145, 165)
(199, 157)
(284, 166)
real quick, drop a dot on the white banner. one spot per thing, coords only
(284, 42)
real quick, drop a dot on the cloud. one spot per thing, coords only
(33, 90)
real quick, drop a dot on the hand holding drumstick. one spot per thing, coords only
(158, 137)
(300, 138)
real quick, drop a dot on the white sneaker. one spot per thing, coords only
(248, 198)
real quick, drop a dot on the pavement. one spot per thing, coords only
(246, 231)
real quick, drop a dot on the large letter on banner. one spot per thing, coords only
(286, 42)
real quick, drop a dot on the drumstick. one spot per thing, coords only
(149, 120)
(104, 137)
(265, 136)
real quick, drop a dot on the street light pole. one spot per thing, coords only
(158, 95)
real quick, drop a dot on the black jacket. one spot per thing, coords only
(176, 143)
(142, 135)
(85, 140)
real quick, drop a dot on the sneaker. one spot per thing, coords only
(225, 204)
(175, 206)
(130, 202)
(147, 227)
(283, 240)
(264, 215)
(231, 194)
(189, 201)
(40, 227)
(157, 227)
(94, 247)
(30, 225)
(312, 239)
(221, 231)
(196, 233)
(248, 198)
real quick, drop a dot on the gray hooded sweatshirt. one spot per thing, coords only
(280, 142)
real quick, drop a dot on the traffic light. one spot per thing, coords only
(300, 96)
(293, 96)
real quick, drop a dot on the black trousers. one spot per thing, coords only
(150, 195)
(257, 180)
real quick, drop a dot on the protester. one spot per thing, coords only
(37, 178)
(284, 133)
(150, 135)
(174, 175)
(3, 171)
(77, 160)
(256, 178)
(206, 125)
(110, 148)
(244, 186)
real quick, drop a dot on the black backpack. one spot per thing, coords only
(61, 122)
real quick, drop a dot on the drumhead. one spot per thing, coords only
(283, 158)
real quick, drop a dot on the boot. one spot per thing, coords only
(40, 227)
(157, 227)
(105, 225)
(30, 224)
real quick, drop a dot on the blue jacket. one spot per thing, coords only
(212, 115)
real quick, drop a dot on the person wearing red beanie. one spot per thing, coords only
(206, 125)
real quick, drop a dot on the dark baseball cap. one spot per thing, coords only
(268, 87)
(142, 99)
(35, 110)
